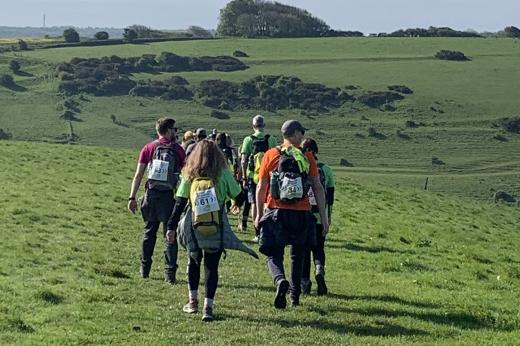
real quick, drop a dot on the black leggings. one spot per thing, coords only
(211, 261)
(318, 253)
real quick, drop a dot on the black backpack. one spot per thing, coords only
(292, 184)
(163, 171)
(260, 145)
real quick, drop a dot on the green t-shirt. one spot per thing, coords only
(329, 182)
(225, 187)
(247, 144)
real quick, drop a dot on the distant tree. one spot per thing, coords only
(22, 45)
(101, 35)
(512, 31)
(197, 31)
(129, 35)
(70, 35)
(14, 66)
(144, 31)
(254, 18)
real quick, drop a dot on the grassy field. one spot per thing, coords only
(456, 103)
(404, 266)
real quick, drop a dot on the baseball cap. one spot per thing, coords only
(258, 121)
(201, 133)
(290, 126)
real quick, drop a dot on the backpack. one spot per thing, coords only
(323, 181)
(205, 207)
(291, 176)
(260, 146)
(163, 170)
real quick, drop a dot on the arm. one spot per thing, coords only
(261, 194)
(139, 173)
(178, 208)
(319, 193)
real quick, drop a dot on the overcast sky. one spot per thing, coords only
(367, 16)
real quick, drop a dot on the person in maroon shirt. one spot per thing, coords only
(163, 158)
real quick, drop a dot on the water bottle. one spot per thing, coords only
(273, 185)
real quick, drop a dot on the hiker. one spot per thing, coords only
(164, 159)
(246, 207)
(253, 149)
(204, 231)
(318, 251)
(222, 142)
(187, 139)
(286, 174)
(200, 134)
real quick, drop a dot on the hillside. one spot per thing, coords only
(454, 105)
(404, 267)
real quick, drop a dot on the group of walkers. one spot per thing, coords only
(191, 188)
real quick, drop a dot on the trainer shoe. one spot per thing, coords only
(207, 314)
(255, 239)
(322, 287)
(192, 307)
(280, 301)
(169, 276)
(295, 301)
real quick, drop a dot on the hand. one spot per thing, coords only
(257, 221)
(235, 209)
(171, 235)
(132, 206)
(326, 227)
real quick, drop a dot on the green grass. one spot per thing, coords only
(471, 96)
(404, 266)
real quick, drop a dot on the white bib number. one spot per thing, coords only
(312, 198)
(291, 188)
(158, 170)
(206, 202)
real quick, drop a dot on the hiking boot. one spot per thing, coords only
(207, 314)
(144, 270)
(322, 287)
(306, 287)
(295, 301)
(280, 302)
(192, 307)
(169, 276)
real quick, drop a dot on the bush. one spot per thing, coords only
(22, 45)
(240, 54)
(451, 55)
(6, 80)
(70, 35)
(219, 114)
(14, 66)
(101, 35)
(345, 163)
(510, 124)
(403, 89)
(129, 35)
(379, 98)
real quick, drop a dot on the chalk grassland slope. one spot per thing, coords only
(404, 267)
(456, 104)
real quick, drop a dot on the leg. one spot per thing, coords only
(275, 264)
(319, 261)
(170, 258)
(297, 253)
(211, 262)
(306, 272)
(193, 283)
(148, 245)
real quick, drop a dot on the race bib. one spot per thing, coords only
(312, 198)
(158, 170)
(292, 188)
(205, 202)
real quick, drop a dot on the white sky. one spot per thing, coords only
(368, 16)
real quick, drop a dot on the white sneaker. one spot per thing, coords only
(255, 239)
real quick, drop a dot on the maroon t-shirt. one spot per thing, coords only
(146, 154)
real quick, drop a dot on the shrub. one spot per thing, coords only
(510, 124)
(129, 35)
(403, 89)
(240, 54)
(451, 55)
(14, 66)
(70, 35)
(345, 163)
(379, 98)
(101, 35)
(6, 80)
(22, 45)
(437, 161)
(219, 114)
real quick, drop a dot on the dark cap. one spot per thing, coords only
(201, 133)
(290, 126)
(258, 121)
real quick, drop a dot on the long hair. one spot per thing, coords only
(206, 160)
